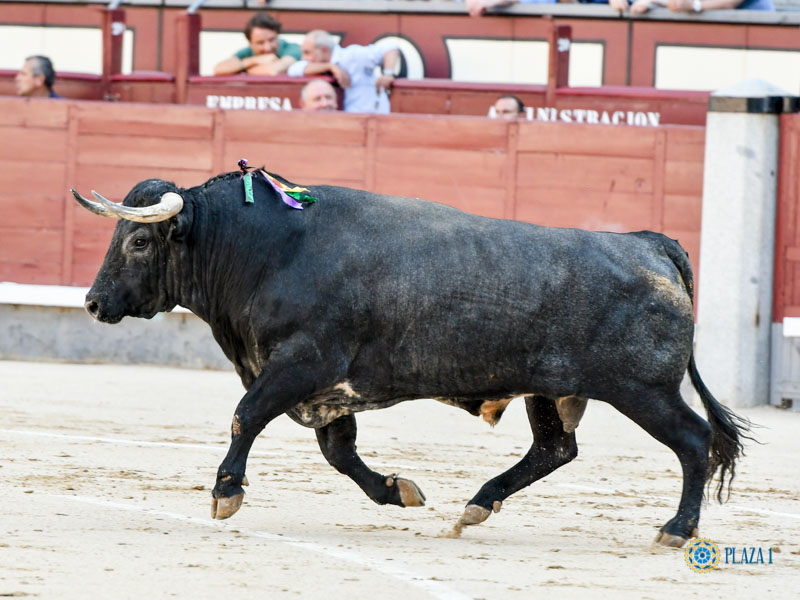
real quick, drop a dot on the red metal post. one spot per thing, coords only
(187, 52)
(113, 26)
(560, 40)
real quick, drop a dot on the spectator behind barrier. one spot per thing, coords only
(36, 78)
(637, 7)
(267, 53)
(508, 107)
(353, 68)
(318, 94)
(477, 7)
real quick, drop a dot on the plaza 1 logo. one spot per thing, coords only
(702, 555)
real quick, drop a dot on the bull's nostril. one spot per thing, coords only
(92, 307)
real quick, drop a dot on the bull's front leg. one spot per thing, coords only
(292, 374)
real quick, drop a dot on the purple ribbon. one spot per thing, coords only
(286, 199)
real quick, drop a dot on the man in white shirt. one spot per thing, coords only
(353, 67)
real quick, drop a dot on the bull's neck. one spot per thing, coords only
(228, 260)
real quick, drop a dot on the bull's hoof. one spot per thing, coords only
(672, 541)
(410, 494)
(222, 508)
(473, 515)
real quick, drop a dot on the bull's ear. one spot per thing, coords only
(180, 224)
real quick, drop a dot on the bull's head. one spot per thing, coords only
(134, 279)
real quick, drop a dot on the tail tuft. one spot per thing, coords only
(728, 430)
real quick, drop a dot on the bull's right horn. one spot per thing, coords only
(91, 206)
(169, 206)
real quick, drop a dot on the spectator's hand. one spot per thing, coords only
(620, 5)
(341, 76)
(262, 64)
(639, 7)
(384, 82)
(477, 7)
(680, 5)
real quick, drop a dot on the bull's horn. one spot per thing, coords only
(91, 206)
(169, 206)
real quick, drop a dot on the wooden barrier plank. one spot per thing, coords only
(596, 140)
(144, 150)
(595, 210)
(686, 144)
(357, 184)
(30, 245)
(90, 245)
(298, 162)
(683, 177)
(33, 112)
(142, 120)
(30, 194)
(35, 144)
(33, 211)
(682, 212)
(479, 200)
(460, 169)
(84, 274)
(41, 273)
(115, 182)
(296, 127)
(584, 173)
(402, 131)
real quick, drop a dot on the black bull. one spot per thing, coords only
(362, 301)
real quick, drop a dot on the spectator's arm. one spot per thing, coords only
(686, 5)
(309, 69)
(230, 66)
(270, 65)
(477, 7)
(389, 65)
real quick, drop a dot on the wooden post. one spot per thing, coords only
(560, 40)
(113, 26)
(187, 52)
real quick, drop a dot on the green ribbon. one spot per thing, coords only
(248, 188)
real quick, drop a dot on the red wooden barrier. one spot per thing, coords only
(786, 296)
(598, 177)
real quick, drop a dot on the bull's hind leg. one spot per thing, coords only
(669, 420)
(553, 446)
(337, 440)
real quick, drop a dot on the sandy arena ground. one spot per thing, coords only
(107, 473)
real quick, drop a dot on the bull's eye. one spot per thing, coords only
(140, 243)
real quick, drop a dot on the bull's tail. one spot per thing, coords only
(728, 430)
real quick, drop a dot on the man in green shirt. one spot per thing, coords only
(267, 54)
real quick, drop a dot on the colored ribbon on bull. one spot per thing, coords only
(247, 178)
(248, 188)
(292, 196)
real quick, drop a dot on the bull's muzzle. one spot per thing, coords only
(93, 308)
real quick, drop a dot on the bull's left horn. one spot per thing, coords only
(169, 206)
(91, 206)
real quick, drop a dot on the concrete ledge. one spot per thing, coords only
(41, 322)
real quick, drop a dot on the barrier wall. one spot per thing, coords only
(787, 234)
(550, 173)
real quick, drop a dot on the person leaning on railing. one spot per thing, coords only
(266, 53)
(478, 7)
(353, 67)
(691, 6)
